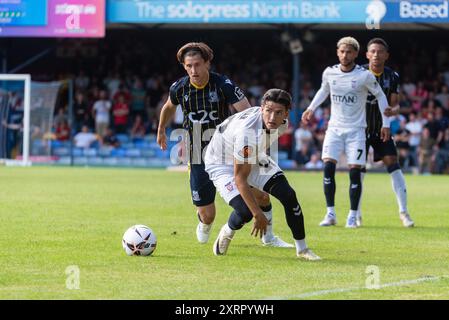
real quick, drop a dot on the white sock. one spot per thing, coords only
(268, 236)
(359, 208)
(398, 183)
(331, 211)
(228, 230)
(352, 212)
(300, 245)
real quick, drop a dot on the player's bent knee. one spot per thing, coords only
(241, 214)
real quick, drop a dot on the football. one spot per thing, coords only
(139, 240)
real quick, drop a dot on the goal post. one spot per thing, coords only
(26, 78)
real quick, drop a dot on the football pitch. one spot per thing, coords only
(61, 231)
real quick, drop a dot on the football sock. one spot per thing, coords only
(362, 177)
(300, 245)
(398, 183)
(268, 212)
(355, 187)
(329, 183)
(279, 188)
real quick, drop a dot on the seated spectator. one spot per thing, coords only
(85, 138)
(62, 132)
(315, 162)
(303, 156)
(138, 129)
(110, 139)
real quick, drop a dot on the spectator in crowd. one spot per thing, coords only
(443, 98)
(414, 127)
(401, 139)
(425, 151)
(81, 111)
(101, 110)
(315, 162)
(110, 139)
(85, 138)
(120, 112)
(138, 129)
(303, 138)
(60, 117)
(62, 132)
(138, 95)
(442, 154)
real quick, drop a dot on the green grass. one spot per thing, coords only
(52, 218)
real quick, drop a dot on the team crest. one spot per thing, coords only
(229, 186)
(195, 195)
(386, 83)
(239, 93)
(213, 96)
(353, 84)
(334, 82)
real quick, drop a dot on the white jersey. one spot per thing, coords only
(241, 137)
(348, 93)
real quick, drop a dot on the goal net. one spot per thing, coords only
(26, 119)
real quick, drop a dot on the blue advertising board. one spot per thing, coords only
(23, 13)
(276, 11)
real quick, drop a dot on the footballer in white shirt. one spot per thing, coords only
(237, 159)
(348, 85)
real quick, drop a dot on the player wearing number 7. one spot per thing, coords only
(348, 85)
(205, 98)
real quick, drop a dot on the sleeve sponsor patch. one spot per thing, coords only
(246, 152)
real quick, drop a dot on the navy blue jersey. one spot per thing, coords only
(389, 82)
(204, 108)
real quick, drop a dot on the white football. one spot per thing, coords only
(139, 240)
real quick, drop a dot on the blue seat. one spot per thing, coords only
(104, 152)
(118, 152)
(133, 152)
(90, 152)
(77, 152)
(123, 138)
(61, 152)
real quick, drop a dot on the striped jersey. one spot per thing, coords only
(204, 108)
(389, 82)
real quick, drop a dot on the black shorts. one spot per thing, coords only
(381, 149)
(201, 187)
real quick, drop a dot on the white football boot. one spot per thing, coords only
(308, 254)
(223, 241)
(351, 221)
(330, 219)
(203, 232)
(406, 220)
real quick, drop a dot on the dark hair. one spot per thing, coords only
(194, 48)
(378, 41)
(278, 96)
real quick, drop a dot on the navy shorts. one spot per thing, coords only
(381, 149)
(201, 187)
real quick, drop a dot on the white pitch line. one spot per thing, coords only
(339, 290)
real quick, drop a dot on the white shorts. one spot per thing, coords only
(349, 141)
(223, 178)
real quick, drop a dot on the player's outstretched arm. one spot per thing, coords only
(167, 113)
(241, 173)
